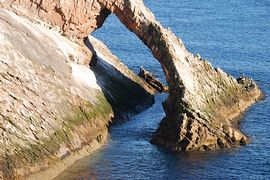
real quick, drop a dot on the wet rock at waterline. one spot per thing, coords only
(53, 109)
(203, 103)
(63, 111)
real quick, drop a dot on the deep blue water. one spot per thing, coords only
(231, 34)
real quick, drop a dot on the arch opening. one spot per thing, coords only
(203, 101)
(127, 47)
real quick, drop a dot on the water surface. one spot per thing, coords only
(232, 34)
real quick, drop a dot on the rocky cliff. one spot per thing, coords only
(203, 104)
(53, 109)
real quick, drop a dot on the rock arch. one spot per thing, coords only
(203, 102)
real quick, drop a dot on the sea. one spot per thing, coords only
(233, 35)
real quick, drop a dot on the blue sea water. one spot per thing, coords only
(231, 34)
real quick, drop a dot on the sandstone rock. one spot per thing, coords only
(203, 102)
(53, 109)
(198, 92)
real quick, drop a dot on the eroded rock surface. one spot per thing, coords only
(203, 102)
(52, 109)
(75, 19)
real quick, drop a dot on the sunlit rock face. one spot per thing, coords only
(53, 109)
(74, 18)
(204, 103)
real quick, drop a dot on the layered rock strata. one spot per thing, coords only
(52, 109)
(199, 94)
(203, 103)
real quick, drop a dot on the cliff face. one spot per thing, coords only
(203, 102)
(74, 18)
(54, 110)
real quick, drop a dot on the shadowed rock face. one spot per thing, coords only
(203, 102)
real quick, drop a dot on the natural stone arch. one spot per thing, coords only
(203, 102)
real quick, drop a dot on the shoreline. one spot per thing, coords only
(58, 167)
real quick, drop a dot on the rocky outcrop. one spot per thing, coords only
(52, 109)
(74, 19)
(153, 81)
(126, 92)
(203, 103)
